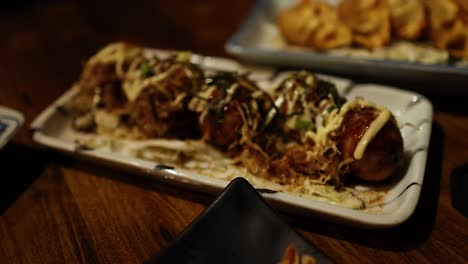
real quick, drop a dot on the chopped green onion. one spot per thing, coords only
(146, 70)
(332, 107)
(302, 124)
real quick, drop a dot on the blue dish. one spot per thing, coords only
(3, 127)
(10, 122)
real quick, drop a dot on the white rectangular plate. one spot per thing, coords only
(52, 128)
(256, 41)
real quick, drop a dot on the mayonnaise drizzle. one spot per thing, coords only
(370, 133)
(334, 121)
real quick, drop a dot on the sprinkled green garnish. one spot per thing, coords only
(146, 70)
(332, 107)
(302, 124)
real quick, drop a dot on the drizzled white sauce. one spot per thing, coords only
(370, 133)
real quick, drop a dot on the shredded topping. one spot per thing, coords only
(291, 138)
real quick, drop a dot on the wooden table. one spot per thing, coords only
(56, 209)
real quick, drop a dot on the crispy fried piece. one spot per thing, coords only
(463, 11)
(231, 110)
(159, 111)
(314, 24)
(381, 157)
(102, 78)
(449, 26)
(463, 4)
(407, 17)
(441, 13)
(454, 39)
(108, 65)
(459, 45)
(369, 21)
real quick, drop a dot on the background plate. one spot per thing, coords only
(253, 42)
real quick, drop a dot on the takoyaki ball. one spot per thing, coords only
(160, 110)
(383, 153)
(299, 99)
(232, 110)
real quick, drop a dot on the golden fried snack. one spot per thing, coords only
(453, 39)
(463, 4)
(449, 26)
(441, 13)
(369, 21)
(314, 24)
(408, 18)
(463, 10)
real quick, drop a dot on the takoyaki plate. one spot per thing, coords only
(311, 144)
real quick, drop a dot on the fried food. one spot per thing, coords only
(380, 158)
(146, 95)
(231, 108)
(302, 133)
(313, 24)
(453, 39)
(374, 24)
(159, 110)
(463, 11)
(408, 18)
(441, 13)
(369, 21)
(329, 138)
(449, 26)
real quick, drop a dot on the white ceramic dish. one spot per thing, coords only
(10, 122)
(52, 129)
(257, 41)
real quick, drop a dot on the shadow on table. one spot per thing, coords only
(450, 104)
(19, 167)
(409, 235)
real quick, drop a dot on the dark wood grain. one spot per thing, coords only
(62, 210)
